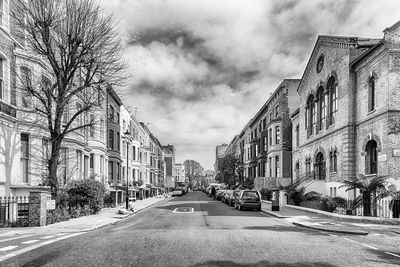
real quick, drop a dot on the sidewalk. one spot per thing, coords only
(322, 223)
(105, 217)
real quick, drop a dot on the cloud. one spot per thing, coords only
(201, 69)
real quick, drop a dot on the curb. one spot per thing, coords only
(274, 214)
(330, 230)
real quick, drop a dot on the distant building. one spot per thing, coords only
(219, 156)
(180, 175)
(169, 158)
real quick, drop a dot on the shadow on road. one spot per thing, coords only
(263, 263)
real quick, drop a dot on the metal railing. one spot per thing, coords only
(13, 208)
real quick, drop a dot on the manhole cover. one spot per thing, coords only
(183, 210)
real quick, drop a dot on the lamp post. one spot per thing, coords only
(127, 135)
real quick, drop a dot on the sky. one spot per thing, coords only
(200, 69)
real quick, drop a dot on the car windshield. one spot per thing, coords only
(250, 194)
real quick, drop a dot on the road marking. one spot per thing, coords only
(392, 254)
(60, 234)
(47, 237)
(7, 248)
(18, 252)
(30, 241)
(183, 210)
(351, 240)
(13, 238)
(368, 246)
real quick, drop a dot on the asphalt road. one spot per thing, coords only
(212, 235)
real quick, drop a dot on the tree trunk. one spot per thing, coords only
(52, 178)
(366, 198)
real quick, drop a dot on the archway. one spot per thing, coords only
(371, 157)
(319, 167)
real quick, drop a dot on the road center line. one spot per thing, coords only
(47, 237)
(392, 254)
(30, 241)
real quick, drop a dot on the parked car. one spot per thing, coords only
(177, 192)
(248, 199)
(226, 196)
(233, 197)
(219, 193)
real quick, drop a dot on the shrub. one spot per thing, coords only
(57, 215)
(265, 194)
(331, 204)
(86, 192)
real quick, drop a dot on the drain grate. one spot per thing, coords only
(183, 210)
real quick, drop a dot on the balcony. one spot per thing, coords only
(8, 110)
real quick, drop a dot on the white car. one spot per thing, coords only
(177, 192)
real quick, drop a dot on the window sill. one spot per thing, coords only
(370, 112)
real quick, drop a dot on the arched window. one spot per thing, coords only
(332, 89)
(371, 163)
(297, 170)
(308, 167)
(371, 93)
(333, 161)
(321, 108)
(310, 117)
(319, 167)
(297, 136)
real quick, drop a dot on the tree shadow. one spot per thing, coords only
(385, 258)
(9, 145)
(262, 263)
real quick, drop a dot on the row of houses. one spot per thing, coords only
(116, 149)
(341, 119)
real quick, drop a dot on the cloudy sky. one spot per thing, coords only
(200, 69)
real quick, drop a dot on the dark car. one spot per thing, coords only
(233, 197)
(248, 199)
(219, 194)
(226, 196)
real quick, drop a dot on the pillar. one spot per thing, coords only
(37, 208)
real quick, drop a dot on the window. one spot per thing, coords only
(79, 163)
(322, 108)
(101, 164)
(256, 150)
(319, 167)
(270, 116)
(297, 136)
(277, 135)
(371, 93)
(111, 113)
(270, 136)
(111, 139)
(118, 141)
(1, 72)
(91, 164)
(26, 79)
(297, 171)
(277, 167)
(110, 172)
(308, 167)
(65, 115)
(371, 166)
(276, 111)
(332, 88)
(270, 166)
(265, 144)
(25, 157)
(117, 117)
(117, 171)
(333, 161)
(102, 129)
(310, 117)
(264, 123)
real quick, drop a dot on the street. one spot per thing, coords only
(212, 235)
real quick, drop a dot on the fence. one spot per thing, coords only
(382, 208)
(13, 209)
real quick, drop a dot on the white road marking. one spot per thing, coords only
(392, 254)
(351, 240)
(60, 234)
(17, 237)
(30, 241)
(368, 246)
(18, 252)
(47, 237)
(7, 248)
(183, 210)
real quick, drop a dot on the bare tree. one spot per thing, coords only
(193, 171)
(81, 51)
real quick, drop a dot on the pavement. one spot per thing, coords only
(320, 222)
(106, 216)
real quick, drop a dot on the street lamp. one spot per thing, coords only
(127, 135)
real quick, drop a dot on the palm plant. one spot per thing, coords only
(298, 195)
(368, 187)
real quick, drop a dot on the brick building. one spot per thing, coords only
(347, 122)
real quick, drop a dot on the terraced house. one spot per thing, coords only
(348, 120)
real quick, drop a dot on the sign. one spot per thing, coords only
(51, 204)
(396, 152)
(381, 157)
